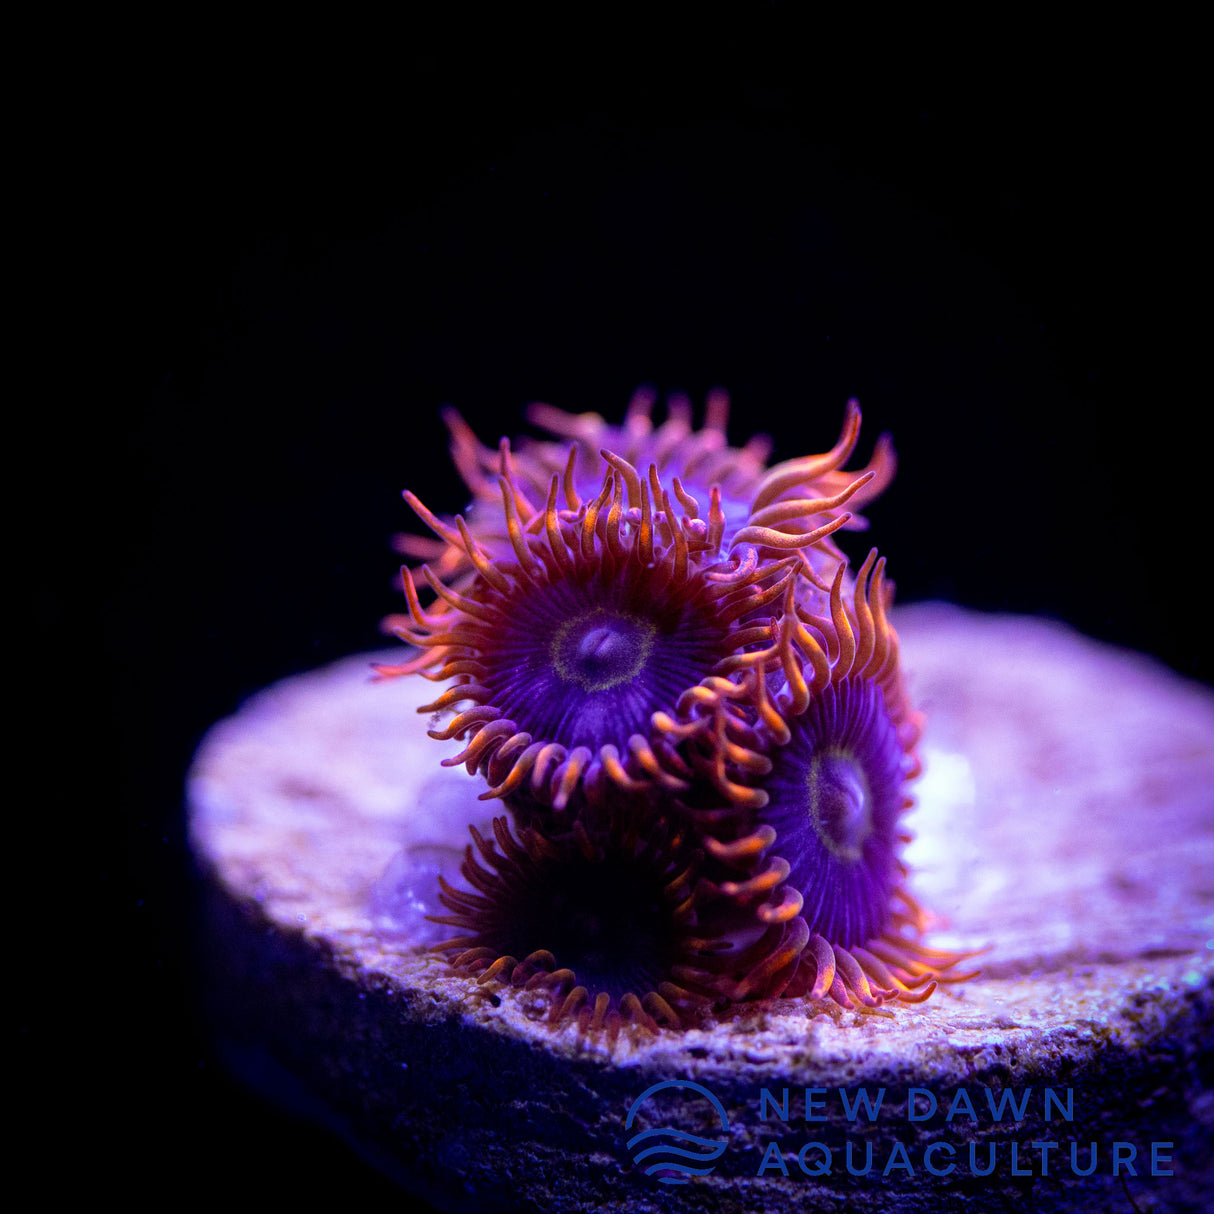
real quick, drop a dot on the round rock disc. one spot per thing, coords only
(1065, 821)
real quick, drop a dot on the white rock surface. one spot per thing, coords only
(1065, 818)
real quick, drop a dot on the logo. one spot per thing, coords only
(675, 1143)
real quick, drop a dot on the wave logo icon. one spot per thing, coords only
(674, 1156)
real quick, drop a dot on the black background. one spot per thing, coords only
(311, 256)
